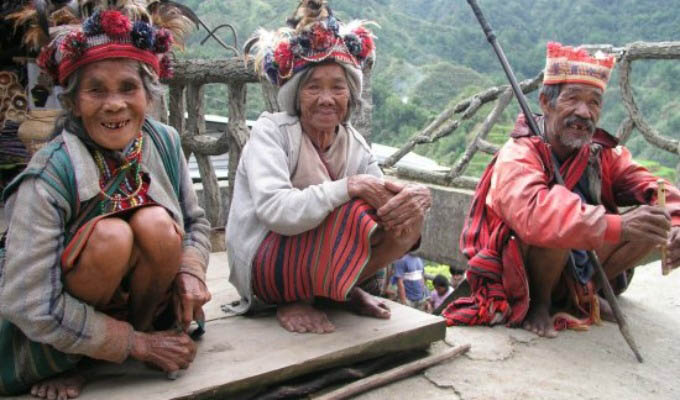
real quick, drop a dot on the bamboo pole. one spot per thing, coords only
(392, 375)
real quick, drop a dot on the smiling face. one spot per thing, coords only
(112, 102)
(324, 98)
(571, 123)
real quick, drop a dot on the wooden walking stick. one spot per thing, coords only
(529, 116)
(661, 196)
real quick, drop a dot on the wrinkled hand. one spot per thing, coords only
(673, 248)
(168, 350)
(646, 224)
(369, 188)
(190, 294)
(407, 208)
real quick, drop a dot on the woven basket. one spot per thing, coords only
(36, 130)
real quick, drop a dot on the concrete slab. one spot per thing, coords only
(249, 352)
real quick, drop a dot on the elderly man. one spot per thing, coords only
(526, 236)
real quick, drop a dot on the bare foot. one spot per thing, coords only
(365, 304)
(302, 317)
(539, 322)
(66, 386)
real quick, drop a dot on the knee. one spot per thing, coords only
(155, 231)
(105, 259)
(544, 258)
(111, 236)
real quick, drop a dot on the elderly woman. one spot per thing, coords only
(107, 248)
(311, 215)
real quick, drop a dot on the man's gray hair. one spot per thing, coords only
(551, 93)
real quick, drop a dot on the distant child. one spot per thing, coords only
(441, 291)
(457, 276)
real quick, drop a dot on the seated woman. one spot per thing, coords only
(107, 248)
(311, 215)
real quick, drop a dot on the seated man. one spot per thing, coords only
(523, 227)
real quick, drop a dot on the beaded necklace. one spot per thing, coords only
(123, 193)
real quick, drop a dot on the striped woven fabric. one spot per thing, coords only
(323, 262)
(20, 371)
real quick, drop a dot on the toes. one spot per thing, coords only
(328, 327)
(51, 393)
(73, 392)
(384, 311)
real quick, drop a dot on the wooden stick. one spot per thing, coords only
(392, 375)
(661, 197)
(614, 304)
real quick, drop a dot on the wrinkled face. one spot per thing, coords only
(112, 102)
(324, 98)
(572, 122)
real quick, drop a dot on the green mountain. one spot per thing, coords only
(433, 52)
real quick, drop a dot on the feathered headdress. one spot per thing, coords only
(313, 35)
(565, 64)
(37, 18)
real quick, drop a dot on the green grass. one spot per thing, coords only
(435, 269)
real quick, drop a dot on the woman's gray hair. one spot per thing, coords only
(289, 94)
(152, 87)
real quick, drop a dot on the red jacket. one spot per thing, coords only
(517, 196)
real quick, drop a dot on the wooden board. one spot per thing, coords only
(240, 353)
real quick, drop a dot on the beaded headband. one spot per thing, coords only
(565, 64)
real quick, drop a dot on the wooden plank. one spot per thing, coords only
(239, 353)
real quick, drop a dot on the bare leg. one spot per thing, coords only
(103, 263)
(544, 267)
(158, 247)
(388, 246)
(148, 247)
(619, 258)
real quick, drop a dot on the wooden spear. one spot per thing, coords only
(599, 271)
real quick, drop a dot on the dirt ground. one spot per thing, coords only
(513, 364)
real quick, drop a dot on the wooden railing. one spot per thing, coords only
(187, 95)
